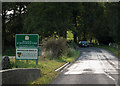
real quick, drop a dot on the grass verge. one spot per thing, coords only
(110, 48)
(46, 65)
(71, 56)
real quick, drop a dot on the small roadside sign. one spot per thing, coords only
(26, 46)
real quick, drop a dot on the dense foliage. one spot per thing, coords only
(87, 21)
(54, 47)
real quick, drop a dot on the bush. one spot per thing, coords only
(73, 44)
(71, 55)
(55, 47)
(70, 52)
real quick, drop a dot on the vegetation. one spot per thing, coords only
(55, 47)
(10, 51)
(71, 56)
(116, 51)
(50, 61)
(87, 21)
(97, 21)
(46, 66)
(58, 48)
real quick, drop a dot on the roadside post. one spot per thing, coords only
(27, 61)
(27, 47)
(36, 62)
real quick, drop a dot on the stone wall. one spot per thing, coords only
(19, 75)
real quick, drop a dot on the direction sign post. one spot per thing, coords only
(26, 46)
(27, 61)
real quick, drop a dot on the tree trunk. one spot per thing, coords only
(3, 31)
(75, 38)
(91, 40)
(65, 34)
(75, 34)
(60, 35)
(78, 38)
(84, 33)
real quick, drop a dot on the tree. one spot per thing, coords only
(76, 10)
(5, 8)
(112, 11)
(12, 22)
(48, 19)
(86, 20)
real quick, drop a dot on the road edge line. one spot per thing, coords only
(108, 75)
(62, 66)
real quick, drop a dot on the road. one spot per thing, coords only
(95, 66)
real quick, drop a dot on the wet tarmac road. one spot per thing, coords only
(95, 66)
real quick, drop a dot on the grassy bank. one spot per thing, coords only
(72, 55)
(110, 48)
(55, 53)
(46, 65)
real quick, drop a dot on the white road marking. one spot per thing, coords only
(62, 66)
(116, 84)
(94, 65)
(78, 68)
(107, 74)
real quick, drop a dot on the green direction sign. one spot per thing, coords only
(27, 46)
(27, 40)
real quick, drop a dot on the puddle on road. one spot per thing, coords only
(99, 51)
(87, 70)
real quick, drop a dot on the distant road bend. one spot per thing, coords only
(95, 66)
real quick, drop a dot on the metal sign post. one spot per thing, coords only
(36, 62)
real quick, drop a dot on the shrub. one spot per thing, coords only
(73, 44)
(71, 55)
(55, 47)
(70, 52)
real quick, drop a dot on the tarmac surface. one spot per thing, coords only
(94, 67)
